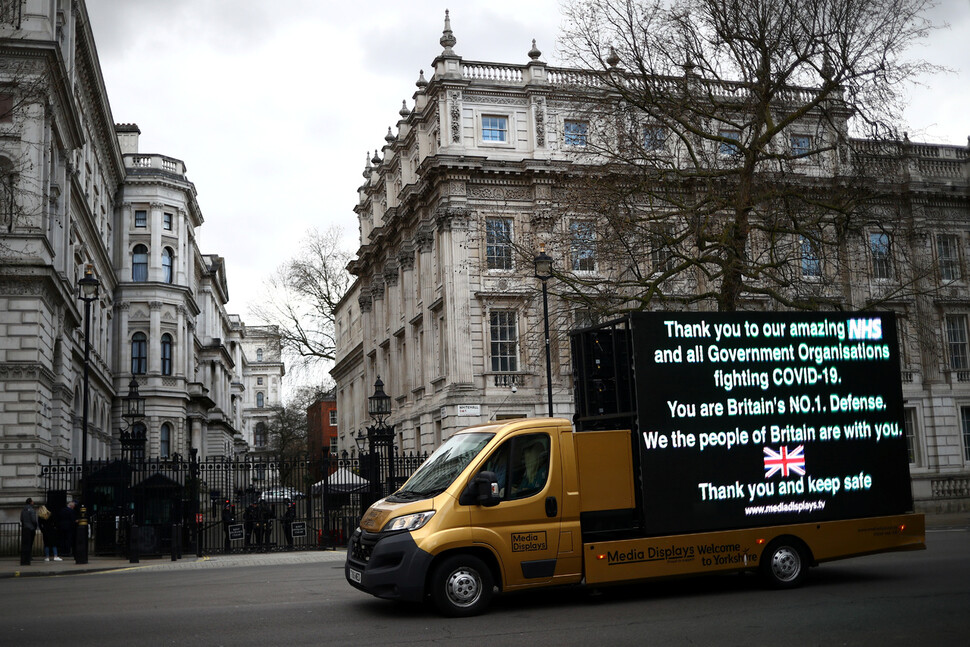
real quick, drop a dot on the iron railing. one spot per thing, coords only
(226, 504)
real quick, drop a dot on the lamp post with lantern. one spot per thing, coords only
(133, 409)
(379, 440)
(543, 263)
(132, 446)
(87, 291)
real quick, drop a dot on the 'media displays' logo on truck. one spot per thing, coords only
(651, 554)
(527, 541)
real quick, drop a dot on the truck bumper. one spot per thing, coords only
(391, 567)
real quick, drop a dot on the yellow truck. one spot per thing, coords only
(701, 443)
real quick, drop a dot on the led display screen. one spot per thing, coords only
(748, 419)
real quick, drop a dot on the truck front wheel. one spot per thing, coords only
(784, 564)
(461, 585)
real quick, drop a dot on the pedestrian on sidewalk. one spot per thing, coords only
(28, 529)
(228, 519)
(67, 528)
(289, 515)
(265, 519)
(250, 515)
(48, 528)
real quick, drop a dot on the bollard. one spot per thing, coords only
(81, 538)
(133, 541)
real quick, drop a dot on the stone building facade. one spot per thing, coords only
(262, 383)
(451, 319)
(76, 193)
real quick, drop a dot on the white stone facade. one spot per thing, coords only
(455, 332)
(75, 193)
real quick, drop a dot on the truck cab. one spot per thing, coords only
(491, 508)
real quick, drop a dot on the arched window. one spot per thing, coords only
(165, 441)
(259, 354)
(7, 209)
(139, 354)
(167, 257)
(139, 263)
(259, 400)
(166, 354)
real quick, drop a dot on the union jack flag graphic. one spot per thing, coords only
(784, 461)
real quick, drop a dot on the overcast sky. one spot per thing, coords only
(273, 106)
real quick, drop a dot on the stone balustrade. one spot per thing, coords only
(155, 162)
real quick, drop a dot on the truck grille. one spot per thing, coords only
(362, 545)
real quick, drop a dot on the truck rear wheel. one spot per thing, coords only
(784, 564)
(461, 585)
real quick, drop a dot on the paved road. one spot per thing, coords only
(897, 599)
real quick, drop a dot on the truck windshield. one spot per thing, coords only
(443, 466)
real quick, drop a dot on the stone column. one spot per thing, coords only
(453, 223)
(155, 339)
(155, 253)
(124, 338)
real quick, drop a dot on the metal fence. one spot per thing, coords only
(10, 538)
(162, 506)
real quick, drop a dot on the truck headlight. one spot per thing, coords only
(408, 522)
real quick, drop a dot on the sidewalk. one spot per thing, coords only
(10, 566)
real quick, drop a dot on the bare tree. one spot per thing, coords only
(736, 151)
(302, 297)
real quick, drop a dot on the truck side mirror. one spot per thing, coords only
(482, 490)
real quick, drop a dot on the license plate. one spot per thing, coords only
(354, 575)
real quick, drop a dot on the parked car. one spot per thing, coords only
(282, 494)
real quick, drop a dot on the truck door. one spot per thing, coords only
(524, 528)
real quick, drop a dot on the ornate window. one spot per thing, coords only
(948, 255)
(495, 128)
(7, 209)
(504, 341)
(801, 145)
(575, 133)
(583, 245)
(260, 400)
(730, 147)
(259, 435)
(912, 436)
(811, 264)
(880, 247)
(166, 354)
(168, 257)
(139, 353)
(956, 341)
(654, 138)
(498, 243)
(965, 428)
(139, 263)
(165, 441)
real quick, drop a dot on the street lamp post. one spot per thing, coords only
(543, 264)
(133, 409)
(132, 445)
(381, 435)
(87, 291)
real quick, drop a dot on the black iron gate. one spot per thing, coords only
(226, 504)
